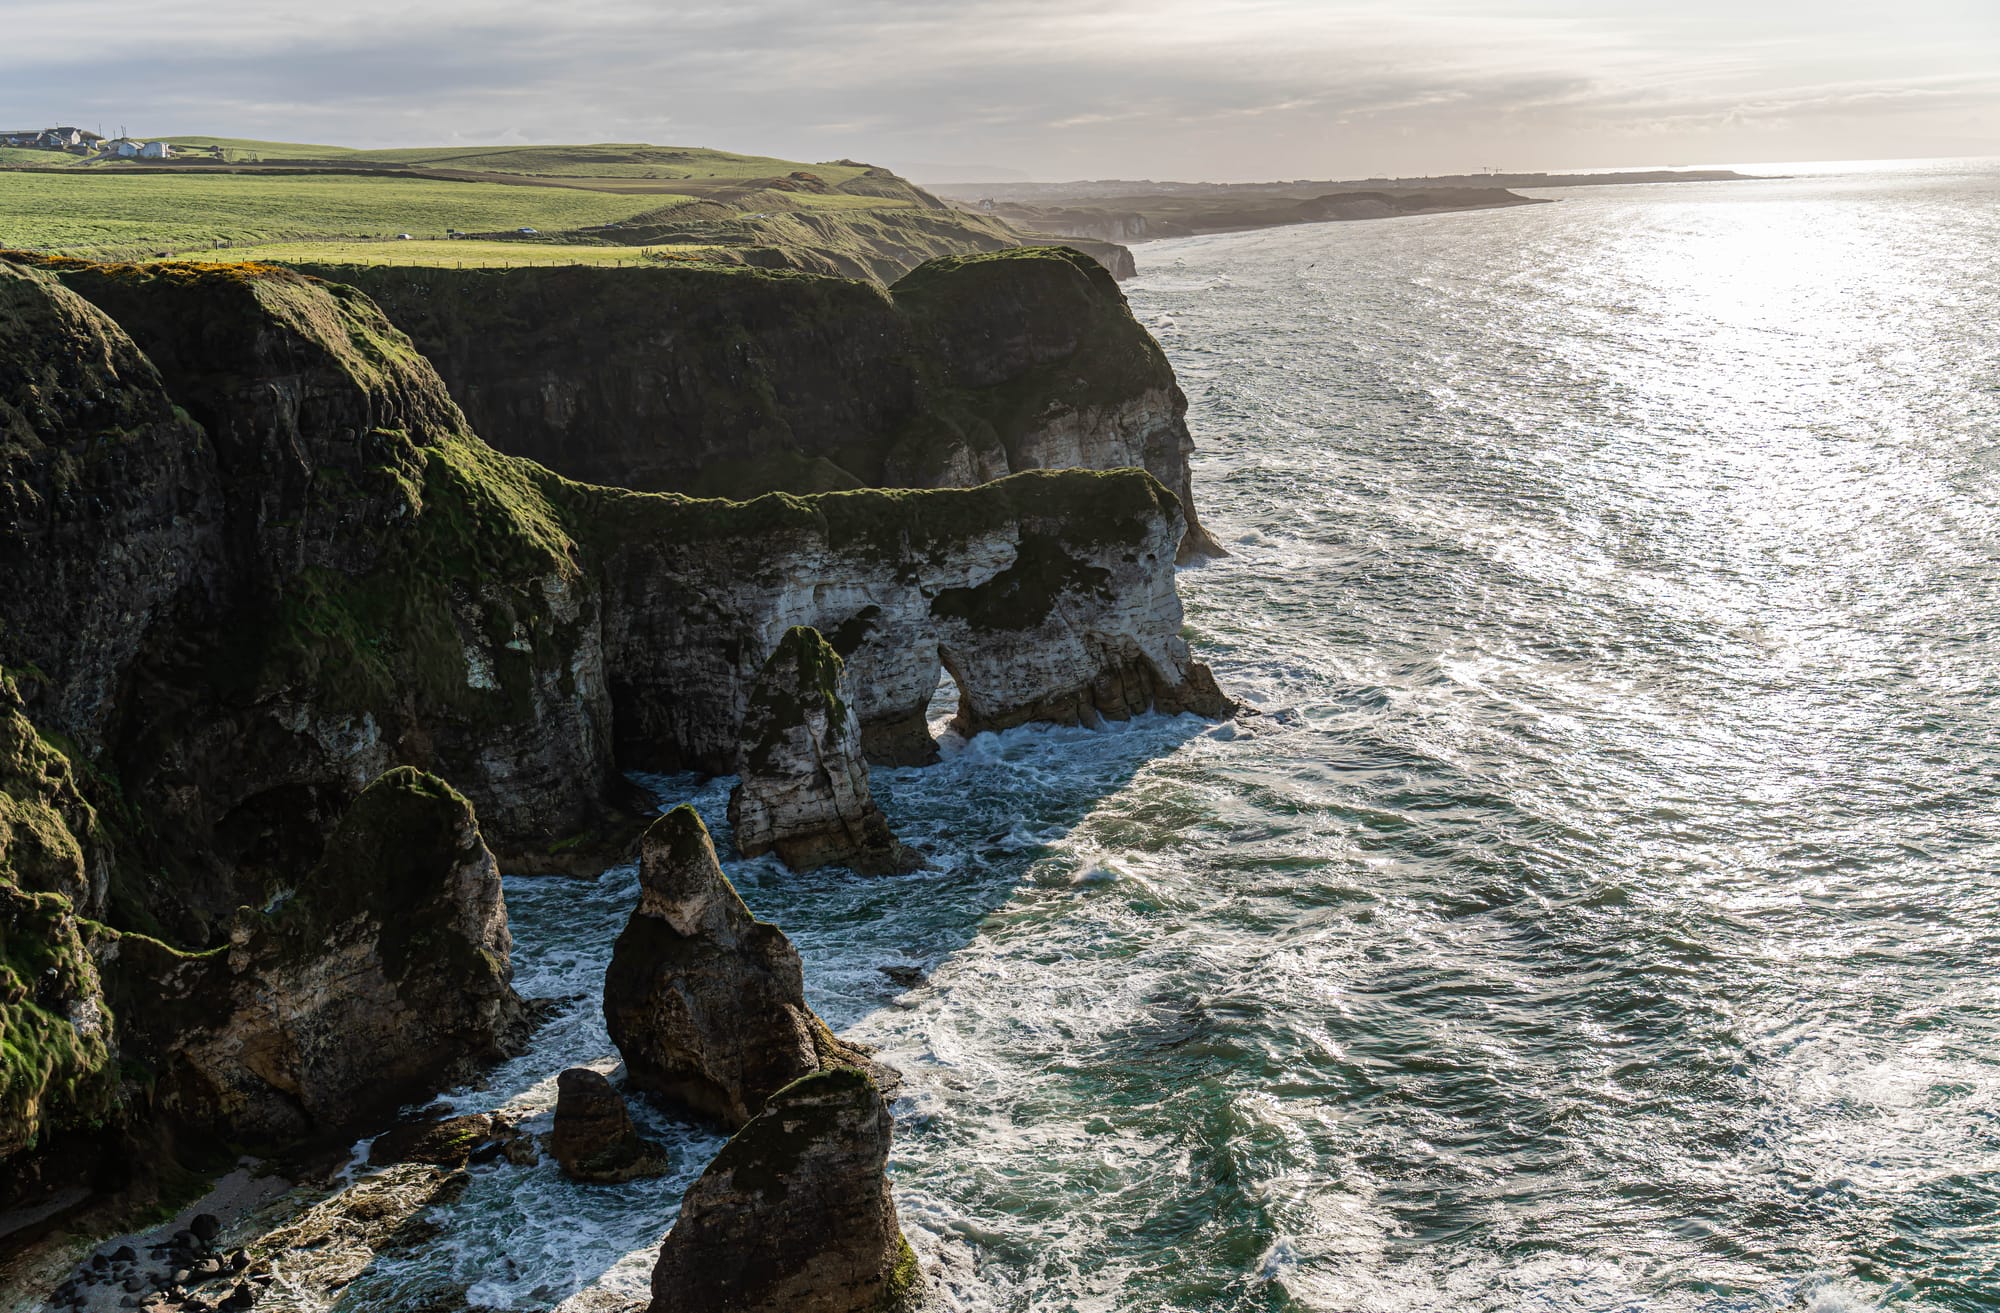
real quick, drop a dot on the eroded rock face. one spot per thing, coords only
(705, 1002)
(338, 578)
(804, 792)
(1049, 596)
(731, 383)
(108, 498)
(383, 976)
(794, 1215)
(594, 1138)
(60, 1073)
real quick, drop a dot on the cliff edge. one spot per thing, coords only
(735, 382)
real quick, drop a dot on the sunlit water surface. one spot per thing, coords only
(1605, 915)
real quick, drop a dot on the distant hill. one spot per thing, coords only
(1108, 189)
(1116, 210)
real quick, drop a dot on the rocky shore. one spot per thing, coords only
(292, 663)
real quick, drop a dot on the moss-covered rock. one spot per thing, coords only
(107, 500)
(57, 1056)
(794, 1214)
(360, 583)
(804, 792)
(451, 1141)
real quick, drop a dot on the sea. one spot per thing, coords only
(1602, 911)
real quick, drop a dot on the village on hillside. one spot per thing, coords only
(78, 141)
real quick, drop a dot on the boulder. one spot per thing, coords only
(804, 792)
(594, 1138)
(794, 1215)
(707, 1003)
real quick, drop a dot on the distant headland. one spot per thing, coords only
(1119, 210)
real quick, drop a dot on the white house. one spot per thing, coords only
(124, 149)
(155, 150)
(49, 138)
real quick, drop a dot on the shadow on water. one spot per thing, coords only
(985, 815)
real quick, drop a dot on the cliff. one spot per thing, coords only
(733, 382)
(1049, 596)
(253, 558)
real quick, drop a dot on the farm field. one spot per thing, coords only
(34, 158)
(449, 254)
(235, 198)
(124, 212)
(606, 160)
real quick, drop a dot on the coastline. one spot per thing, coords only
(1127, 213)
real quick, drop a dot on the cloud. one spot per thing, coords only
(1227, 88)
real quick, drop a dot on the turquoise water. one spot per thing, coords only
(1605, 915)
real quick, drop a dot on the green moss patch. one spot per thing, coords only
(56, 1068)
(803, 676)
(1021, 596)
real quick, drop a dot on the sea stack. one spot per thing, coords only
(804, 793)
(707, 1003)
(794, 1215)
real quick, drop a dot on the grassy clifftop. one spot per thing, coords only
(541, 204)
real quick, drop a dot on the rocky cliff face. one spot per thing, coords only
(706, 1003)
(794, 1215)
(108, 506)
(247, 568)
(732, 383)
(357, 583)
(57, 1071)
(804, 792)
(1049, 596)
(384, 973)
(252, 558)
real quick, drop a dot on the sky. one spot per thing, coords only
(1223, 90)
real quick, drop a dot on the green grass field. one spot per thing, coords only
(137, 210)
(238, 198)
(451, 254)
(630, 160)
(29, 157)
